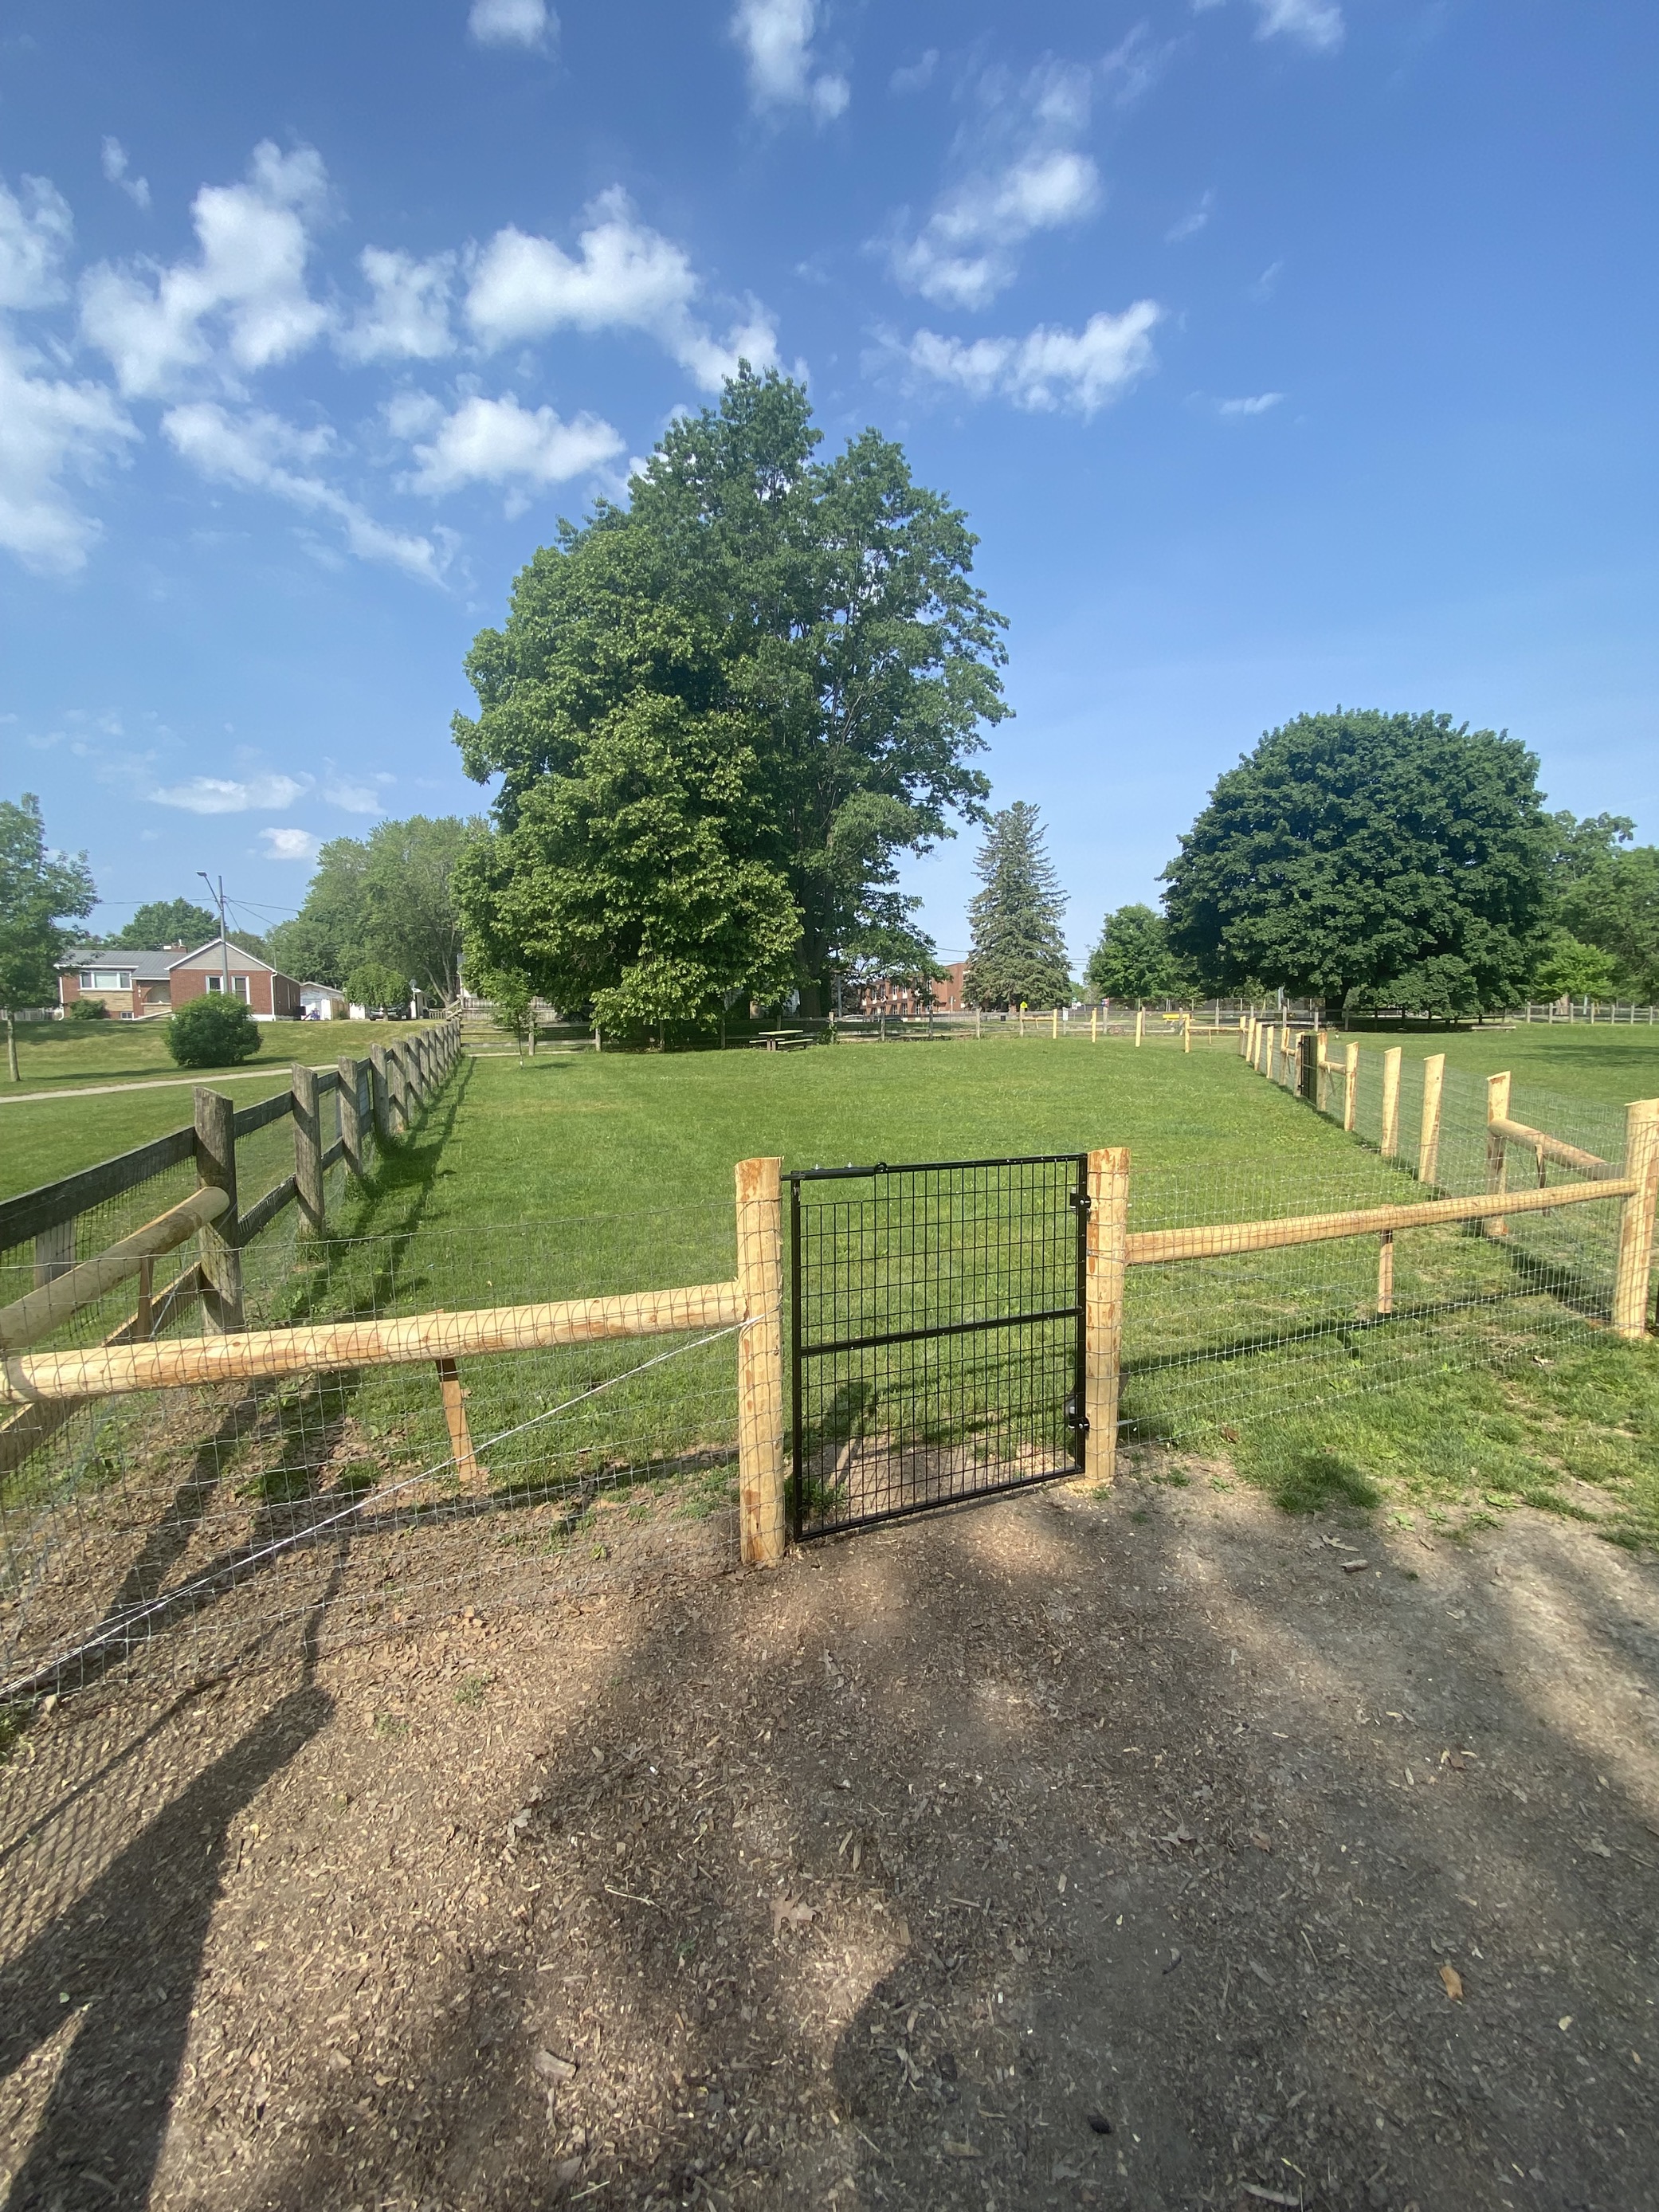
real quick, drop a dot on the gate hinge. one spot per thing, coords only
(1081, 1199)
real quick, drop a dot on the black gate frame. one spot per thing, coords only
(1075, 1417)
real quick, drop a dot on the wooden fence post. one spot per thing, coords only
(1094, 1024)
(397, 1076)
(1629, 1285)
(307, 1147)
(1107, 1247)
(1056, 1025)
(54, 1251)
(1187, 1032)
(349, 1094)
(1428, 1141)
(760, 1361)
(1497, 1109)
(1390, 1143)
(1322, 1071)
(1385, 1273)
(215, 1169)
(380, 1086)
(1350, 1085)
(1140, 1022)
(471, 1475)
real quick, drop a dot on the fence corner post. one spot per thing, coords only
(1635, 1264)
(1497, 1109)
(220, 1241)
(1106, 1245)
(760, 1361)
(307, 1145)
(1428, 1141)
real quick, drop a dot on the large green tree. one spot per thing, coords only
(1370, 859)
(719, 716)
(1613, 906)
(38, 891)
(1018, 956)
(166, 922)
(389, 898)
(1134, 960)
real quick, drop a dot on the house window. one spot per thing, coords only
(239, 985)
(107, 979)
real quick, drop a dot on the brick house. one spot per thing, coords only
(886, 997)
(134, 984)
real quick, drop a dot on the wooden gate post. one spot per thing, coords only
(1322, 1071)
(1350, 1085)
(1106, 1266)
(1390, 1144)
(349, 1094)
(215, 1169)
(1631, 1281)
(307, 1147)
(1428, 1142)
(1497, 1109)
(760, 1361)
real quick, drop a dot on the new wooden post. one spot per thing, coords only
(1390, 1144)
(1323, 1072)
(1350, 1084)
(308, 1148)
(1497, 1109)
(760, 1363)
(1385, 1273)
(215, 1169)
(1635, 1265)
(1187, 1032)
(1428, 1142)
(1056, 1025)
(1107, 1249)
(1094, 1024)
(1140, 1022)
(1246, 1027)
(350, 1096)
(472, 1476)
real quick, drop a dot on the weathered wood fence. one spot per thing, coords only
(378, 1097)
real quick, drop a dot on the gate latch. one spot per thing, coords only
(1081, 1199)
(1075, 1420)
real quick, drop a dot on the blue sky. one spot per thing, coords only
(1282, 352)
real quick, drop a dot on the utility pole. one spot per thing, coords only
(224, 945)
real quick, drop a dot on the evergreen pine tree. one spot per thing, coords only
(1019, 956)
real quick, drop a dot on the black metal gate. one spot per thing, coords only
(936, 1333)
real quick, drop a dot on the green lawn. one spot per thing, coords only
(593, 1173)
(580, 1174)
(1612, 1065)
(41, 1139)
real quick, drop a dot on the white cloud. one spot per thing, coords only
(407, 318)
(354, 798)
(1050, 368)
(260, 453)
(290, 844)
(628, 277)
(1189, 225)
(498, 441)
(1260, 404)
(50, 428)
(776, 37)
(917, 77)
(115, 169)
(408, 413)
(35, 236)
(967, 249)
(214, 794)
(512, 23)
(249, 278)
(1316, 23)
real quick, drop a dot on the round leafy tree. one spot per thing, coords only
(371, 983)
(212, 1032)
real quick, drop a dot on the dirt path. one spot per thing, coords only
(1128, 1852)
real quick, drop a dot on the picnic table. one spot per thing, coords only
(781, 1040)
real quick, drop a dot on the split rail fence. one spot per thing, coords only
(1162, 1292)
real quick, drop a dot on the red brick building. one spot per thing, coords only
(132, 984)
(902, 998)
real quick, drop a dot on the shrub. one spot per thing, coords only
(88, 1010)
(212, 1032)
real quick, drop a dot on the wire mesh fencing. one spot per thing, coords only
(198, 1524)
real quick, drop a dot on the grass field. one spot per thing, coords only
(609, 1171)
(579, 1174)
(41, 1139)
(1612, 1065)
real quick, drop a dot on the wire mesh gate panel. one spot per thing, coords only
(936, 1334)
